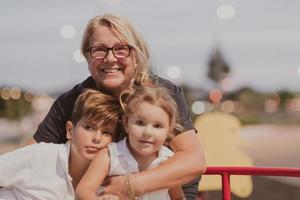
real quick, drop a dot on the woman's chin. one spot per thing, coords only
(113, 86)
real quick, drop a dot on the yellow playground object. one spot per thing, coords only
(219, 134)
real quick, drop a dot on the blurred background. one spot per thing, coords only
(240, 58)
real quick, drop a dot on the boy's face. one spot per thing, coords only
(87, 139)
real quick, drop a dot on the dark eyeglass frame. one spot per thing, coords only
(112, 49)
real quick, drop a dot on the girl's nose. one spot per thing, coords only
(147, 131)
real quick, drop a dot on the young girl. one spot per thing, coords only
(149, 120)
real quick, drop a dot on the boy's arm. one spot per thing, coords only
(176, 193)
(94, 176)
(15, 164)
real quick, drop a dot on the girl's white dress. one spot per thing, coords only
(122, 163)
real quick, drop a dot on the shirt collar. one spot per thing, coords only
(122, 150)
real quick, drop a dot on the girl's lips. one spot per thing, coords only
(145, 141)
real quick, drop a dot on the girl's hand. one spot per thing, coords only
(108, 197)
(116, 185)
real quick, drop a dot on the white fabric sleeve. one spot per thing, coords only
(16, 165)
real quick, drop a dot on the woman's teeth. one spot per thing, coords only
(110, 70)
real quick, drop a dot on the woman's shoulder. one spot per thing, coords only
(76, 90)
(68, 98)
(166, 83)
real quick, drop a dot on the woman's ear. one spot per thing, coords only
(69, 130)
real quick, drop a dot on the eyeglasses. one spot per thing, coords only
(119, 51)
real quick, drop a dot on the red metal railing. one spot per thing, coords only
(226, 172)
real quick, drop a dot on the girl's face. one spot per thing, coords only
(147, 128)
(110, 73)
(87, 139)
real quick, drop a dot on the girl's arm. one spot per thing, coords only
(187, 163)
(94, 176)
(176, 193)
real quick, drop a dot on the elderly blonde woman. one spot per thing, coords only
(118, 58)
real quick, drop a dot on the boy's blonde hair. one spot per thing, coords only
(125, 31)
(97, 108)
(157, 96)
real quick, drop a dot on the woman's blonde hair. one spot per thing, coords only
(125, 31)
(157, 96)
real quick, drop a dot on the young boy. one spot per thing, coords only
(52, 171)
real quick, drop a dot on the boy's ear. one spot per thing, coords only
(69, 129)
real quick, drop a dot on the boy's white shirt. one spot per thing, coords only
(36, 172)
(122, 163)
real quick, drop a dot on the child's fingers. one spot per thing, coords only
(108, 197)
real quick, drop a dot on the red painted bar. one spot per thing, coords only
(226, 171)
(254, 171)
(226, 192)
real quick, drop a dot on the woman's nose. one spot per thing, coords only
(110, 56)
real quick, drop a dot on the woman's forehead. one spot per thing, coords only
(105, 36)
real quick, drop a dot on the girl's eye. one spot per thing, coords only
(158, 126)
(139, 122)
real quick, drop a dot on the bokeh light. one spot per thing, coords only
(225, 12)
(198, 107)
(5, 93)
(215, 95)
(28, 96)
(67, 31)
(42, 102)
(227, 84)
(15, 93)
(271, 105)
(293, 105)
(78, 57)
(173, 71)
(228, 106)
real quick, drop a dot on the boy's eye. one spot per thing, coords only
(106, 133)
(89, 127)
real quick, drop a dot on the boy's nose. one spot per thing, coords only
(97, 137)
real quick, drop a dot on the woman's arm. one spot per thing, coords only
(187, 163)
(94, 176)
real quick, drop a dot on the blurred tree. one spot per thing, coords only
(218, 69)
(284, 97)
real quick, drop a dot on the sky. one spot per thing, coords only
(260, 40)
